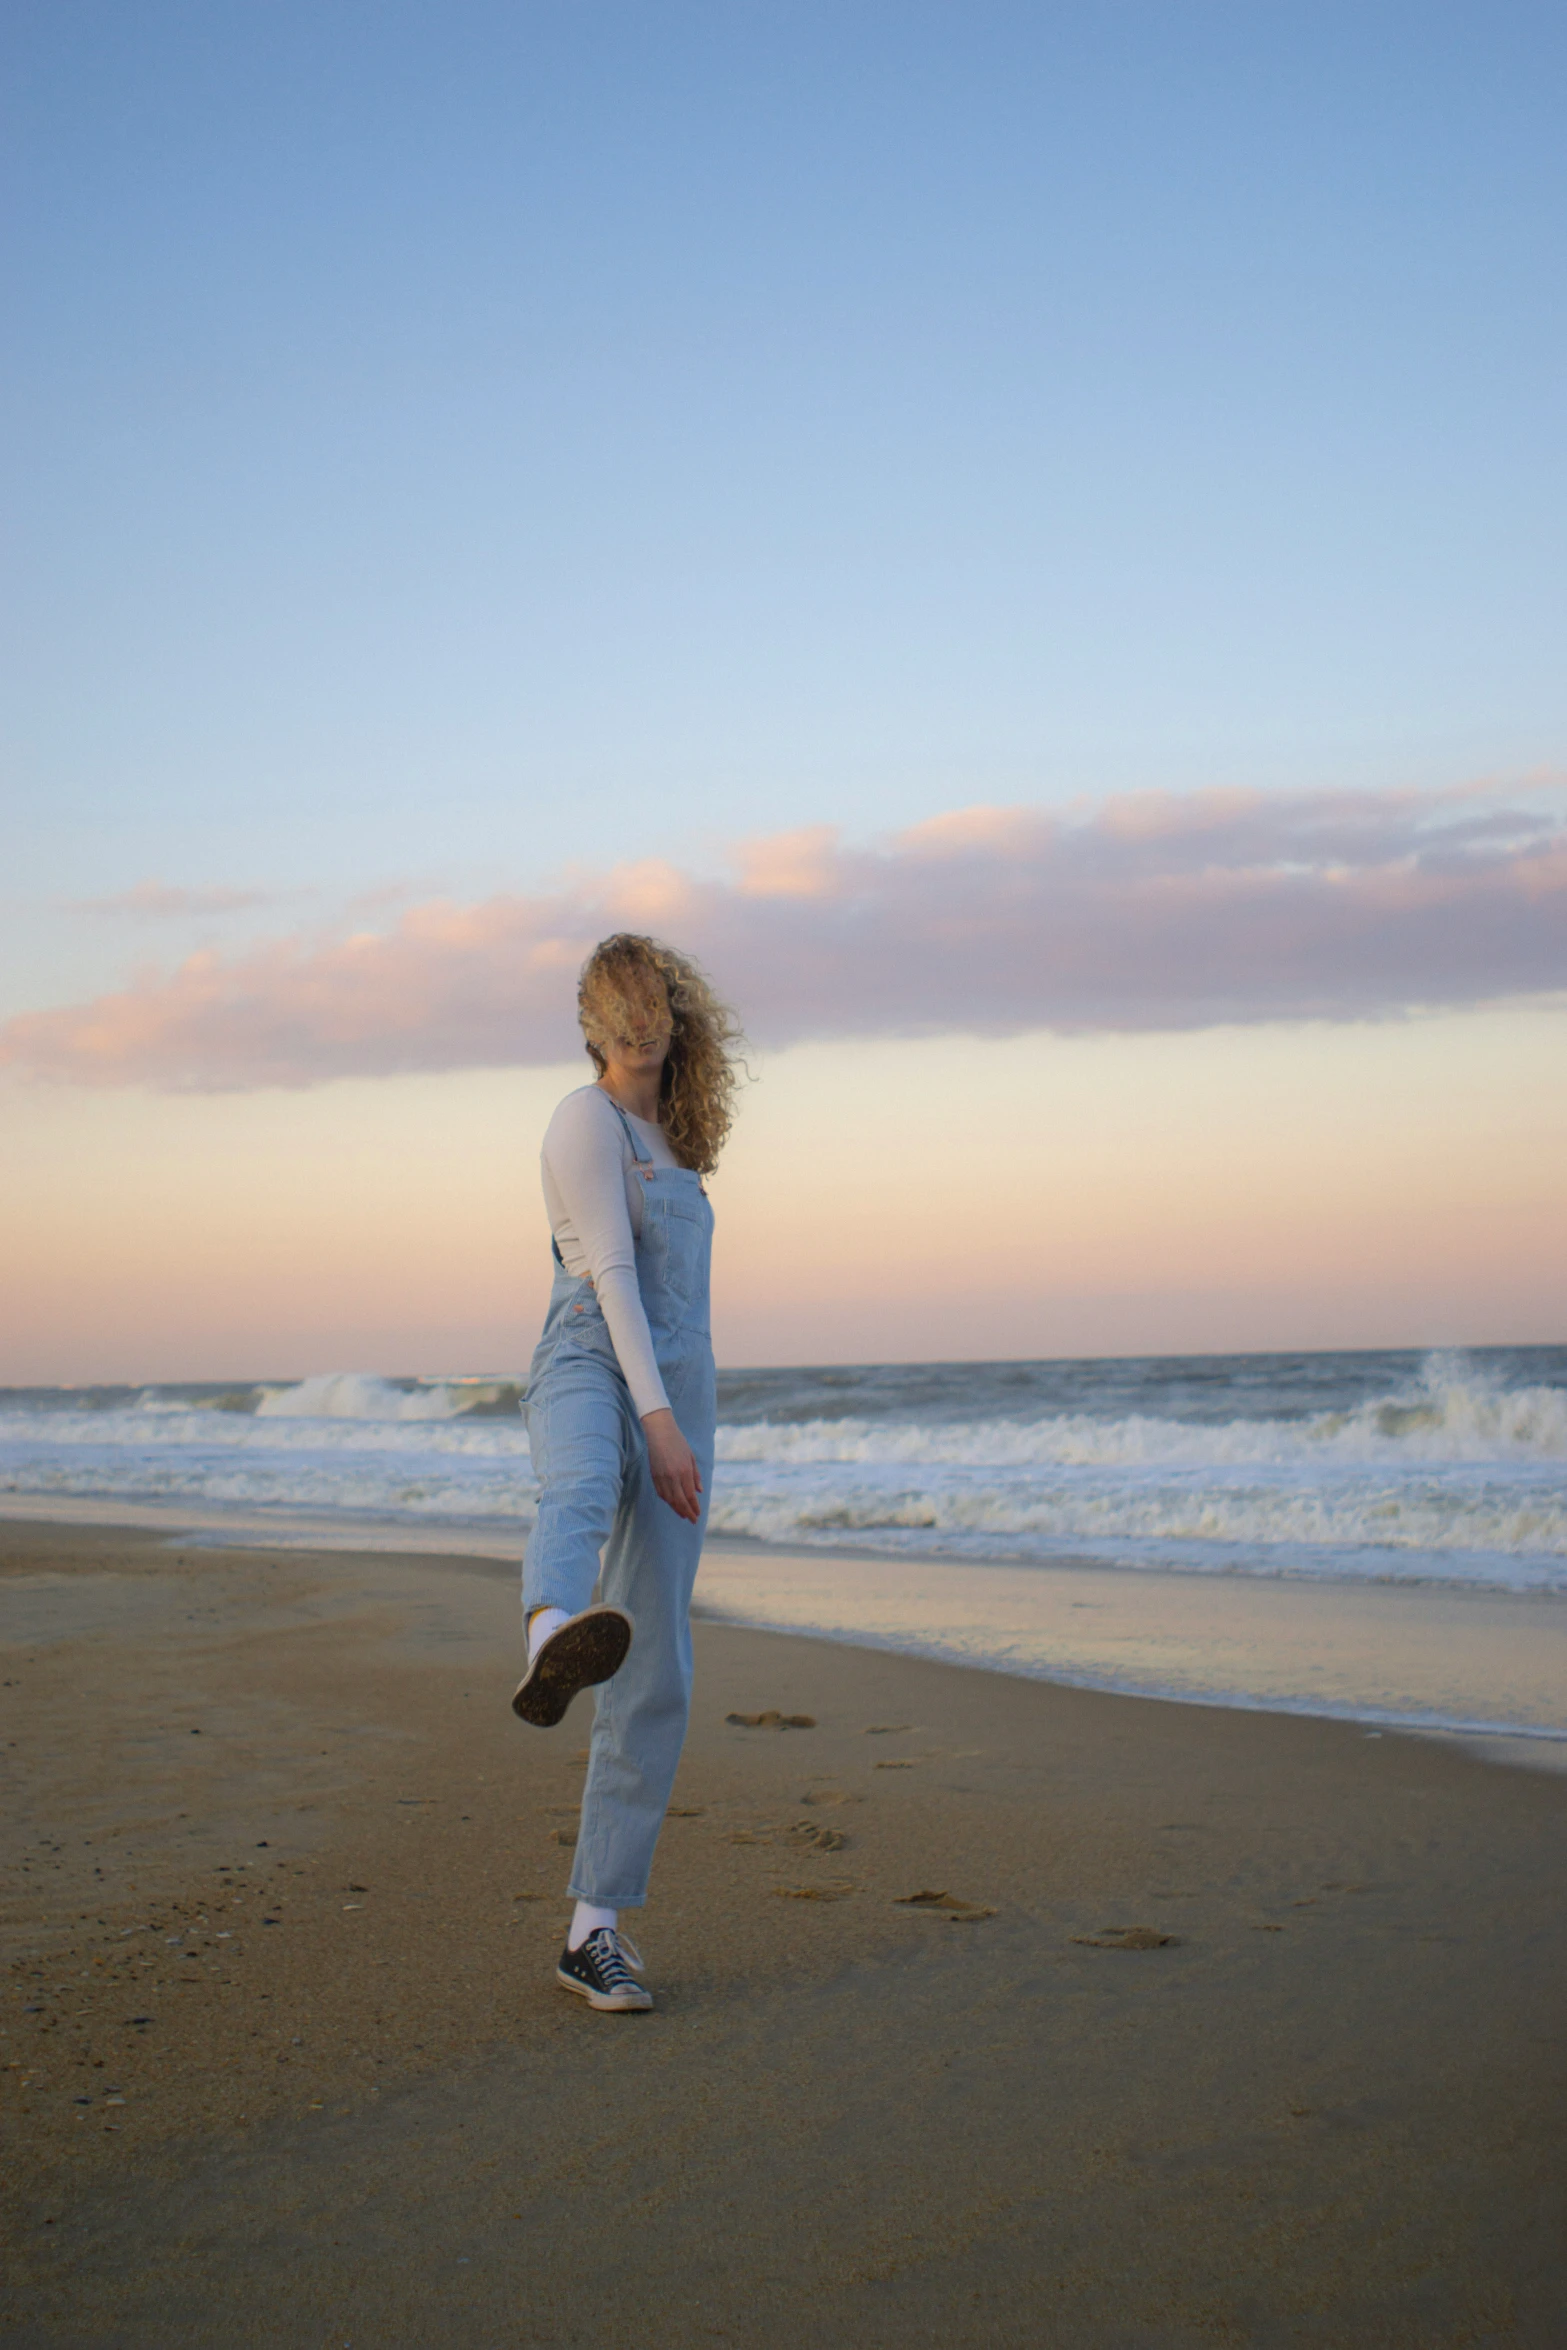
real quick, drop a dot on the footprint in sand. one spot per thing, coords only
(530, 1897)
(829, 1797)
(948, 1905)
(887, 1729)
(904, 1762)
(816, 1838)
(807, 1833)
(686, 1811)
(814, 1892)
(567, 1836)
(1127, 1938)
(772, 1720)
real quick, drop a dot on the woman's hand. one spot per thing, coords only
(676, 1477)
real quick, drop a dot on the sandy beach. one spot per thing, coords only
(1231, 2027)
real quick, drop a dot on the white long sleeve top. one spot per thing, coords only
(595, 1204)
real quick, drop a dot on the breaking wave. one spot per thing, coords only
(1458, 1415)
(358, 1395)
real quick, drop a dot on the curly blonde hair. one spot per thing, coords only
(625, 984)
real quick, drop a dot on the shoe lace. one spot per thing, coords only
(615, 1954)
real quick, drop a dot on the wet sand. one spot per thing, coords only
(1252, 2033)
(1403, 1654)
(1398, 1654)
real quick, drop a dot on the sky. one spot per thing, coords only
(1030, 538)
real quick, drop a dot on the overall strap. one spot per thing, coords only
(630, 1131)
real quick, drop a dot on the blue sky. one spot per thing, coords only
(453, 455)
(454, 442)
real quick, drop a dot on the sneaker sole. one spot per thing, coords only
(620, 2003)
(590, 1649)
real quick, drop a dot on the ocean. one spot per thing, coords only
(1387, 1467)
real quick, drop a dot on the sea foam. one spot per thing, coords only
(1447, 1468)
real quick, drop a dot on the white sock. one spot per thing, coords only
(586, 1920)
(542, 1622)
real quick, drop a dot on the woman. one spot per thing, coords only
(621, 1412)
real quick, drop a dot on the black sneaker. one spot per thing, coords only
(583, 1650)
(599, 1971)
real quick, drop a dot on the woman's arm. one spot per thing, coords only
(585, 1154)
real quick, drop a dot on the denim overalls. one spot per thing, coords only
(590, 1456)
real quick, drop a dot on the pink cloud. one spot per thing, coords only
(1153, 911)
(800, 864)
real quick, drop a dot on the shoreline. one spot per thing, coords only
(1232, 2020)
(1419, 1658)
